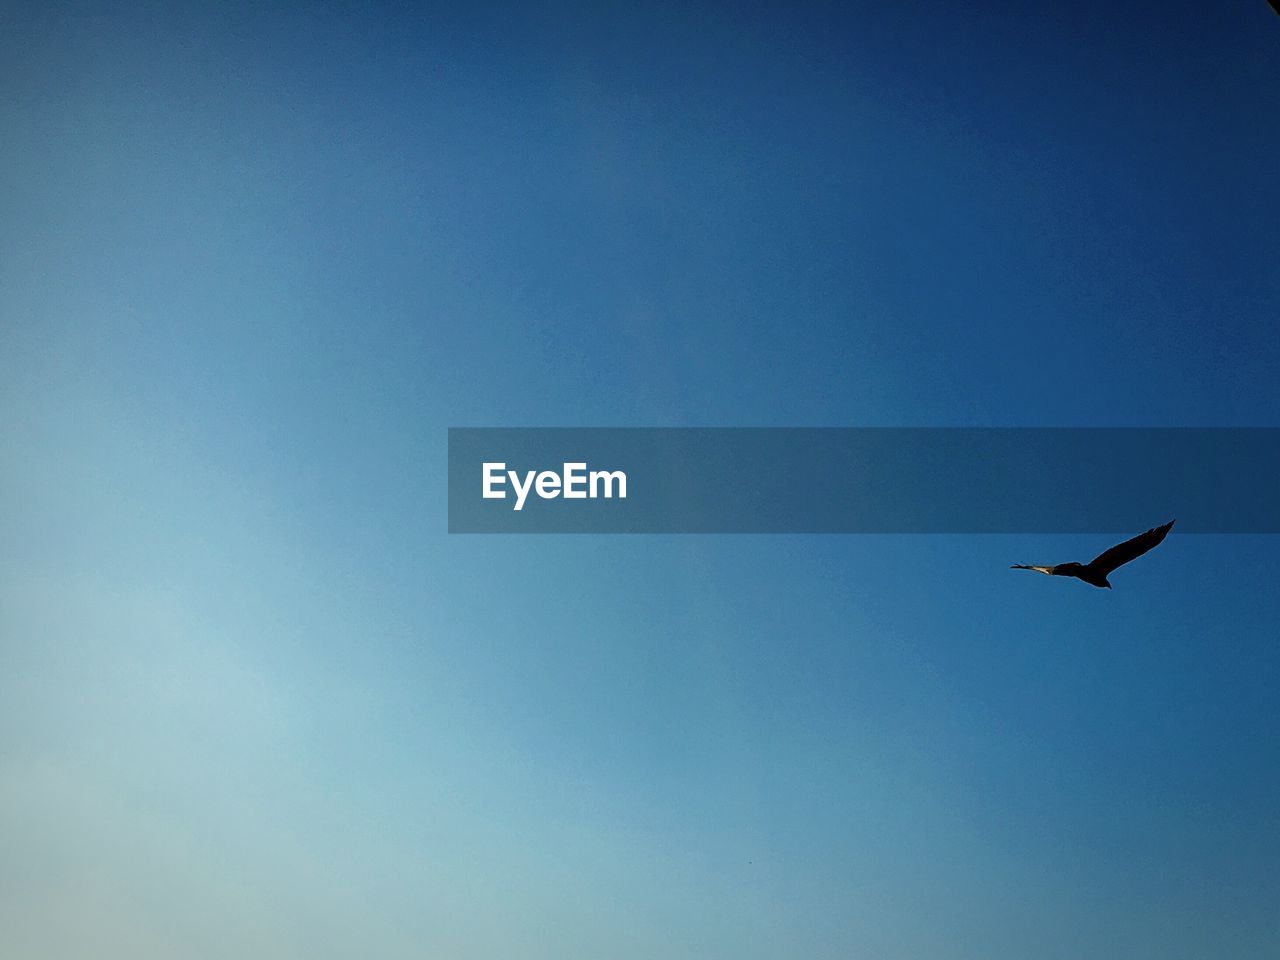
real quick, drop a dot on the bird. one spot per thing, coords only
(1095, 572)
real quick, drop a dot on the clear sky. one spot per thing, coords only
(255, 259)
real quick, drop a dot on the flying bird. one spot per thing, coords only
(1096, 570)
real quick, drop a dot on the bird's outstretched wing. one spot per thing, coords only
(1122, 553)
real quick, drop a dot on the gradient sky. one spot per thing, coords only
(254, 260)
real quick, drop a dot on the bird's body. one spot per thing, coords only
(1095, 572)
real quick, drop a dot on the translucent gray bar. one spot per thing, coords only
(871, 480)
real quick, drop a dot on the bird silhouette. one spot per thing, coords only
(1096, 570)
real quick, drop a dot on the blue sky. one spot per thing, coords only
(256, 702)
